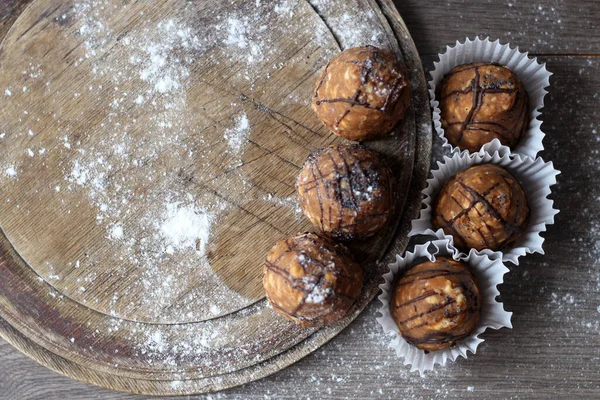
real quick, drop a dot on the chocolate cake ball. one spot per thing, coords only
(482, 207)
(436, 304)
(481, 102)
(311, 280)
(346, 191)
(362, 93)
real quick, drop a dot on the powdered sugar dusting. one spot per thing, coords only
(159, 65)
(352, 29)
(318, 294)
(237, 136)
(115, 232)
(10, 171)
(185, 227)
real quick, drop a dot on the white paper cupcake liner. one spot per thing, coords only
(489, 274)
(534, 76)
(536, 177)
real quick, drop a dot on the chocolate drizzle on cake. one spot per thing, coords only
(346, 191)
(495, 102)
(482, 207)
(440, 307)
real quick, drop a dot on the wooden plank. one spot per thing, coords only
(540, 27)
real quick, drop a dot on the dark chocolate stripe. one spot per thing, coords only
(418, 298)
(477, 97)
(458, 91)
(391, 97)
(499, 90)
(350, 178)
(470, 88)
(436, 338)
(337, 192)
(449, 273)
(466, 67)
(349, 101)
(456, 314)
(472, 204)
(324, 77)
(489, 229)
(429, 311)
(489, 208)
(337, 122)
(314, 167)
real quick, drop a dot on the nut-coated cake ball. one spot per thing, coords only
(311, 280)
(346, 191)
(481, 102)
(436, 304)
(482, 207)
(362, 93)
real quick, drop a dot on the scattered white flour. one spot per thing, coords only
(351, 37)
(214, 309)
(286, 7)
(318, 295)
(10, 171)
(237, 136)
(290, 202)
(186, 227)
(147, 193)
(115, 232)
(240, 35)
(352, 29)
(33, 71)
(236, 33)
(160, 63)
(92, 28)
(79, 174)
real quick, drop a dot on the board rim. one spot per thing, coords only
(421, 164)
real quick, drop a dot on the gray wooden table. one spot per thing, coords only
(553, 352)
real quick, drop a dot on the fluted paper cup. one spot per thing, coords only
(536, 178)
(488, 273)
(533, 74)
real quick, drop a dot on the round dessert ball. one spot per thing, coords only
(436, 304)
(482, 207)
(362, 93)
(346, 191)
(311, 280)
(481, 102)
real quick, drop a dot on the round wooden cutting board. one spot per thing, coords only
(148, 157)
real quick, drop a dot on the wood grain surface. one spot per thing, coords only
(554, 349)
(124, 123)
